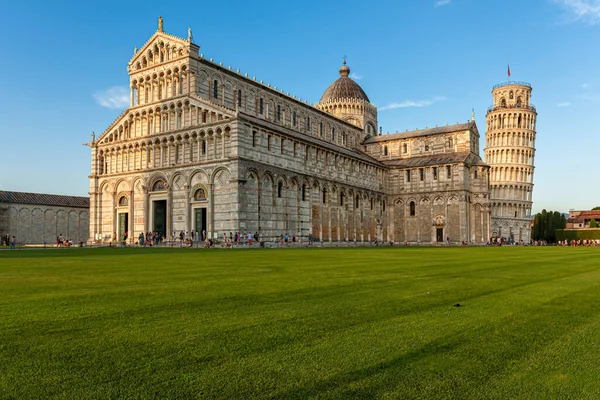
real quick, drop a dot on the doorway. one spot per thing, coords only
(159, 217)
(439, 235)
(200, 220)
(123, 224)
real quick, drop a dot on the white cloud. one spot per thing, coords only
(355, 77)
(412, 103)
(440, 3)
(114, 97)
(590, 97)
(582, 10)
(565, 104)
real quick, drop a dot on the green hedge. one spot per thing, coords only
(577, 234)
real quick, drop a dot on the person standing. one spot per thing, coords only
(13, 241)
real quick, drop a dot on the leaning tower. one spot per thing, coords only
(510, 151)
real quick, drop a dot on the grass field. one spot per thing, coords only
(328, 323)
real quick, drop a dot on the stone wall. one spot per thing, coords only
(38, 224)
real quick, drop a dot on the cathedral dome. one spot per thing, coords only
(344, 88)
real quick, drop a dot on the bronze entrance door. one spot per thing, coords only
(159, 217)
(200, 220)
(123, 222)
(439, 234)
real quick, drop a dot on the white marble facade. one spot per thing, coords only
(205, 147)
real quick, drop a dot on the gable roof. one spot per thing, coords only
(424, 132)
(44, 199)
(161, 36)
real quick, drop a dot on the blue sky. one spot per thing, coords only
(422, 62)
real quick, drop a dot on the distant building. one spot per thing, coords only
(35, 218)
(581, 219)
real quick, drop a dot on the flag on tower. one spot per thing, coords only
(509, 70)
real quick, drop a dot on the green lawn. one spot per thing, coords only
(306, 323)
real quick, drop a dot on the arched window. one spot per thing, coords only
(260, 106)
(404, 148)
(357, 201)
(321, 129)
(511, 95)
(503, 102)
(308, 124)
(519, 101)
(239, 97)
(200, 195)
(279, 189)
(253, 138)
(304, 192)
(324, 196)
(342, 199)
(385, 150)
(215, 89)
(278, 112)
(203, 147)
(123, 201)
(412, 208)
(294, 119)
(333, 134)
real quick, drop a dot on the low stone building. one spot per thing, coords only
(35, 218)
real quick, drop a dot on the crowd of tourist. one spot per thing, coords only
(502, 241)
(581, 242)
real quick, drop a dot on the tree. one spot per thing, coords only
(537, 227)
(546, 223)
(593, 223)
(596, 208)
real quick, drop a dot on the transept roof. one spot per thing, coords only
(423, 132)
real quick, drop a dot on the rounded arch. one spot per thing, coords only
(217, 172)
(152, 182)
(198, 192)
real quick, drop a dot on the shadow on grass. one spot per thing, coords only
(425, 373)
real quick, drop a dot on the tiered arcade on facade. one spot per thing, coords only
(510, 152)
(204, 148)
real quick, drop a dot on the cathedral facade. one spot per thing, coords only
(203, 147)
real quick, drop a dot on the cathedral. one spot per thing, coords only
(203, 147)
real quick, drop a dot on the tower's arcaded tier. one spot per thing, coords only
(510, 151)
